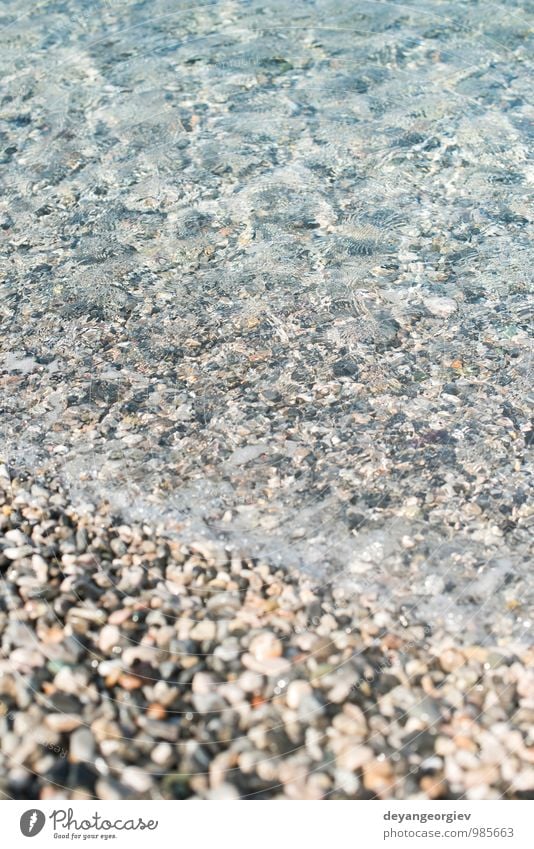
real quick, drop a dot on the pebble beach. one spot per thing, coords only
(138, 667)
(266, 400)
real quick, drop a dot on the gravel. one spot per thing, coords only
(214, 676)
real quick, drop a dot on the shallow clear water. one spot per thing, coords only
(267, 272)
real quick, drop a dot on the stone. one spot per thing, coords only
(108, 638)
(379, 778)
(17, 553)
(137, 779)
(265, 646)
(296, 692)
(205, 630)
(440, 307)
(451, 659)
(62, 722)
(81, 746)
(162, 754)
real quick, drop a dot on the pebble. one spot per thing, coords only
(17, 553)
(296, 692)
(92, 615)
(451, 660)
(135, 778)
(17, 537)
(302, 690)
(265, 646)
(203, 684)
(269, 666)
(353, 756)
(205, 630)
(378, 777)
(440, 307)
(81, 746)
(108, 638)
(162, 754)
(62, 722)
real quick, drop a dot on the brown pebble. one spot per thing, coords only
(129, 682)
(433, 787)
(463, 742)
(156, 711)
(378, 777)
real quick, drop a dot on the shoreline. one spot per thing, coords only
(143, 668)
